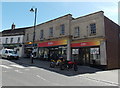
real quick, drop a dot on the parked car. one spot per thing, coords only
(9, 54)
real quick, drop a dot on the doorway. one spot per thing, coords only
(84, 56)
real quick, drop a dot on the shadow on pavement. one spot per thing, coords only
(26, 62)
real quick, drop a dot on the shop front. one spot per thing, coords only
(28, 48)
(86, 52)
(52, 49)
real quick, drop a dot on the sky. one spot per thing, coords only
(19, 14)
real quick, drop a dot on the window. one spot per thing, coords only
(93, 28)
(27, 37)
(11, 40)
(77, 32)
(6, 51)
(51, 31)
(41, 34)
(62, 29)
(6, 40)
(18, 41)
(95, 53)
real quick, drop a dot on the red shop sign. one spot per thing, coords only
(52, 43)
(94, 43)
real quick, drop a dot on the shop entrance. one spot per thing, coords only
(84, 55)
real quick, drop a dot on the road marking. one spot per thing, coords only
(47, 80)
(5, 66)
(18, 66)
(41, 78)
(4, 71)
(26, 69)
(18, 71)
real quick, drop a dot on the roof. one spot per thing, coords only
(55, 19)
(89, 14)
(17, 31)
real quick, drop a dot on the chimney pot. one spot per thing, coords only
(13, 26)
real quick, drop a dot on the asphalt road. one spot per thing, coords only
(14, 74)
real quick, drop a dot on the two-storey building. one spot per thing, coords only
(14, 39)
(92, 40)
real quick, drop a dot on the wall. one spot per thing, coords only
(56, 27)
(112, 49)
(84, 25)
(28, 31)
(15, 38)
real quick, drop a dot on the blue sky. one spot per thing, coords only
(18, 12)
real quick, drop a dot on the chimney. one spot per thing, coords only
(13, 26)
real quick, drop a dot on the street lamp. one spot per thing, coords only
(35, 11)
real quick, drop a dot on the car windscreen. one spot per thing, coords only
(13, 52)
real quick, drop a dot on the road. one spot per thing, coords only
(14, 74)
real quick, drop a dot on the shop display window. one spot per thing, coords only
(95, 53)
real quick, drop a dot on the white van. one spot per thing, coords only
(9, 54)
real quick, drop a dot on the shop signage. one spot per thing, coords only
(52, 43)
(11, 45)
(81, 44)
(30, 45)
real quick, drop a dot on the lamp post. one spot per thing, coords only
(35, 11)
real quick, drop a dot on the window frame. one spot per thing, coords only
(41, 34)
(6, 40)
(18, 41)
(62, 29)
(77, 31)
(11, 41)
(51, 32)
(27, 37)
(93, 29)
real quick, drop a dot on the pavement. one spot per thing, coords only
(108, 76)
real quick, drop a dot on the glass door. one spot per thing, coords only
(85, 56)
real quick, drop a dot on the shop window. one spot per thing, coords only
(51, 32)
(95, 53)
(41, 34)
(62, 29)
(92, 29)
(77, 32)
(11, 40)
(75, 51)
(18, 40)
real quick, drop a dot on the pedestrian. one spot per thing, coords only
(32, 56)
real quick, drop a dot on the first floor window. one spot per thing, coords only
(77, 32)
(18, 40)
(93, 28)
(62, 29)
(11, 40)
(51, 31)
(27, 37)
(41, 34)
(6, 40)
